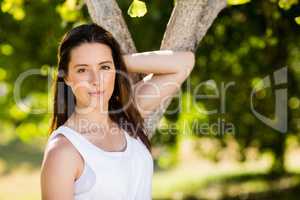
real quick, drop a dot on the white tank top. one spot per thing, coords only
(111, 175)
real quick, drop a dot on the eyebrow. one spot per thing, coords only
(106, 61)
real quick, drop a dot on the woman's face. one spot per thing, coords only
(91, 75)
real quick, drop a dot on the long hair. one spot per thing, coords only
(64, 99)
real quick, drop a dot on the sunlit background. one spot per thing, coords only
(210, 148)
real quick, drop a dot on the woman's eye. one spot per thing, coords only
(105, 67)
(81, 70)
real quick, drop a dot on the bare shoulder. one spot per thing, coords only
(60, 167)
(60, 152)
(60, 147)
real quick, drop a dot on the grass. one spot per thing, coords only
(23, 184)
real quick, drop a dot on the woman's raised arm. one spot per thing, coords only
(167, 71)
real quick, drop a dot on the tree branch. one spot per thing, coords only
(188, 24)
(106, 13)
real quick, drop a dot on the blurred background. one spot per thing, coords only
(222, 151)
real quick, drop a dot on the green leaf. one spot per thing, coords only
(18, 13)
(297, 20)
(14, 7)
(69, 10)
(237, 2)
(6, 49)
(137, 9)
(3, 74)
(294, 102)
(287, 4)
(26, 131)
(16, 113)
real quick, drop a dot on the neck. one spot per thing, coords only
(93, 118)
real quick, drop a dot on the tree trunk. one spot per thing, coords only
(187, 25)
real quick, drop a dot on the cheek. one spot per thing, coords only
(80, 89)
(109, 81)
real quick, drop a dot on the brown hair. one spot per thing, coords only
(64, 99)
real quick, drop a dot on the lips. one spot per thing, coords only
(96, 93)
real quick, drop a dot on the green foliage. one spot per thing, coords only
(6, 49)
(190, 114)
(17, 113)
(297, 20)
(27, 131)
(294, 102)
(14, 7)
(2, 74)
(237, 2)
(168, 158)
(137, 9)
(287, 4)
(70, 10)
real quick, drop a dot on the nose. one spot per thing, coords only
(96, 78)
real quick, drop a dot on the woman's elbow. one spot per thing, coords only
(189, 62)
(190, 59)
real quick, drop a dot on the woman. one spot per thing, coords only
(91, 153)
